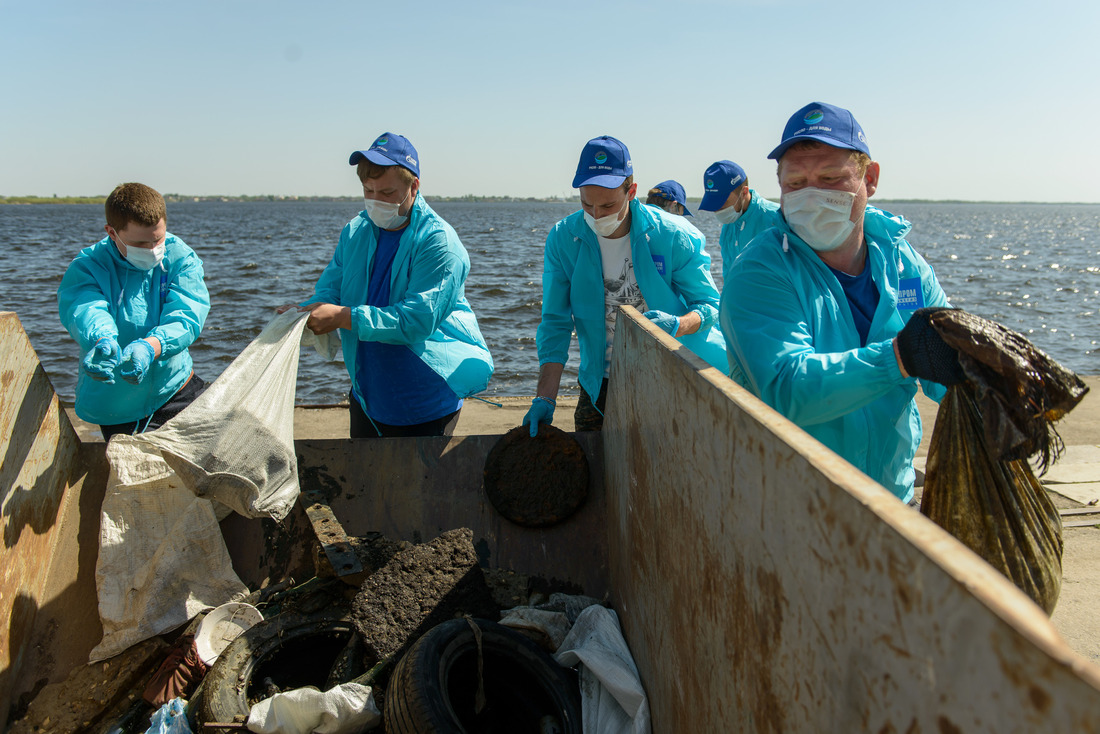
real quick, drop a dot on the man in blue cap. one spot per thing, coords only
(670, 196)
(741, 211)
(819, 311)
(617, 251)
(396, 290)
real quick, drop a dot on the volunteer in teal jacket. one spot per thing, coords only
(812, 308)
(398, 278)
(134, 317)
(665, 258)
(741, 211)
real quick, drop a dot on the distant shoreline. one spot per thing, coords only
(469, 198)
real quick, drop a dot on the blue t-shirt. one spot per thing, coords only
(394, 385)
(862, 299)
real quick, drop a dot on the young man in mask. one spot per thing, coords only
(813, 306)
(617, 251)
(134, 302)
(396, 290)
(741, 211)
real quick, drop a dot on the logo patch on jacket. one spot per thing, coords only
(659, 261)
(910, 294)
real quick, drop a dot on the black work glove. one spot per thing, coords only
(925, 354)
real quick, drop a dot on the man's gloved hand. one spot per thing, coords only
(100, 361)
(136, 359)
(668, 322)
(925, 354)
(541, 411)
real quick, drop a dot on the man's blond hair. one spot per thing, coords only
(134, 202)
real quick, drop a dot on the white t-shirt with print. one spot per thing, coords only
(620, 287)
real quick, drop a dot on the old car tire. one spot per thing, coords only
(233, 679)
(433, 686)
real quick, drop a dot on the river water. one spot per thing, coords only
(1033, 267)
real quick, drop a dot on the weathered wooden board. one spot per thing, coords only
(765, 585)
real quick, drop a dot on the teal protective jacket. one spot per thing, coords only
(428, 310)
(759, 215)
(673, 272)
(793, 342)
(102, 294)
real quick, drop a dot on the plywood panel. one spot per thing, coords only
(44, 580)
(766, 585)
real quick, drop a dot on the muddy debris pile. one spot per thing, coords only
(322, 633)
(418, 588)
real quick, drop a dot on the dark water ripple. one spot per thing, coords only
(1035, 268)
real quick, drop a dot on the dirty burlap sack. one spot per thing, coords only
(978, 484)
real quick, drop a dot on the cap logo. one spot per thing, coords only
(861, 138)
(735, 180)
(710, 183)
(410, 159)
(813, 117)
(601, 157)
(381, 141)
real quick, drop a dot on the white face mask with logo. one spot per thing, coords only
(605, 226)
(384, 214)
(142, 258)
(822, 218)
(729, 215)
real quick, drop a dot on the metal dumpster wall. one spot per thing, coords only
(766, 585)
(47, 565)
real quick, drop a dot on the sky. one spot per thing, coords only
(975, 101)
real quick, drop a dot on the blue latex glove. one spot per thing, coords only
(541, 411)
(137, 357)
(100, 361)
(668, 322)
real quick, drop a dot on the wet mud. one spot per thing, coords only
(536, 482)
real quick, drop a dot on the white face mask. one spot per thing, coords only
(729, 215)
(605, 226)
(820, 217)
(384, 214)
(142, 258)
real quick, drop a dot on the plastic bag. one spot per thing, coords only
(978, 485)
(346, 709)
(612, 698)
(996, 508)
(170, 719)
(179, 674)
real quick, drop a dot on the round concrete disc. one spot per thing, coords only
(536, 482)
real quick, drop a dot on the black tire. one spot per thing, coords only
(433, 686)
(310, 644)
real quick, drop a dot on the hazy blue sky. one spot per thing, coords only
(960, 100)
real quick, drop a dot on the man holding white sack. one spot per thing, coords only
(395, 289)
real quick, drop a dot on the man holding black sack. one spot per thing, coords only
(815, 310)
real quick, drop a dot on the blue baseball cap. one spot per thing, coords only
(390, 150)
(673, 191)
(831, 125)
(719, 181)
(604, 162)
